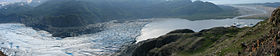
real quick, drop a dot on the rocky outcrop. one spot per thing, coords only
(275, 17)
(182, 31)
(269, 43)
(2, 54)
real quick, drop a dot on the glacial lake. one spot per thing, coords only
(160, 27)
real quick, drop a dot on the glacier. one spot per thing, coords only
(18, 40)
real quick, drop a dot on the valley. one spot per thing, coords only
(17, 38)
(137, 28)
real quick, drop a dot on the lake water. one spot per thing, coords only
(17, 39)
(162, 26)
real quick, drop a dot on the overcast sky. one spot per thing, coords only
(10, 0)
(213, 1)
(239, 1)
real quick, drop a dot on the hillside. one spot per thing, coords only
(262, 39)
(12, 12)
(65, 18)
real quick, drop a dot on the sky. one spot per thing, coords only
(239, 1)
(11, 1)
(213, 1)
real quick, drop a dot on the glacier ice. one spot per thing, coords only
(17, 39)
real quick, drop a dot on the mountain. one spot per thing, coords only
(13, 12)
(65, 18)
(274, 4)
(262, 39)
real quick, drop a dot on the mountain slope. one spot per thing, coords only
(13, 12)
(259, 40)
(262, 39)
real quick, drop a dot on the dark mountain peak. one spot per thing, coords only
(198, 2)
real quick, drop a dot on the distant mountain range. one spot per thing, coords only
(274, 4)
(60, 14)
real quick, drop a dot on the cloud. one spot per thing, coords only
(11, 1)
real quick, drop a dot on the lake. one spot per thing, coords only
(164, 25)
